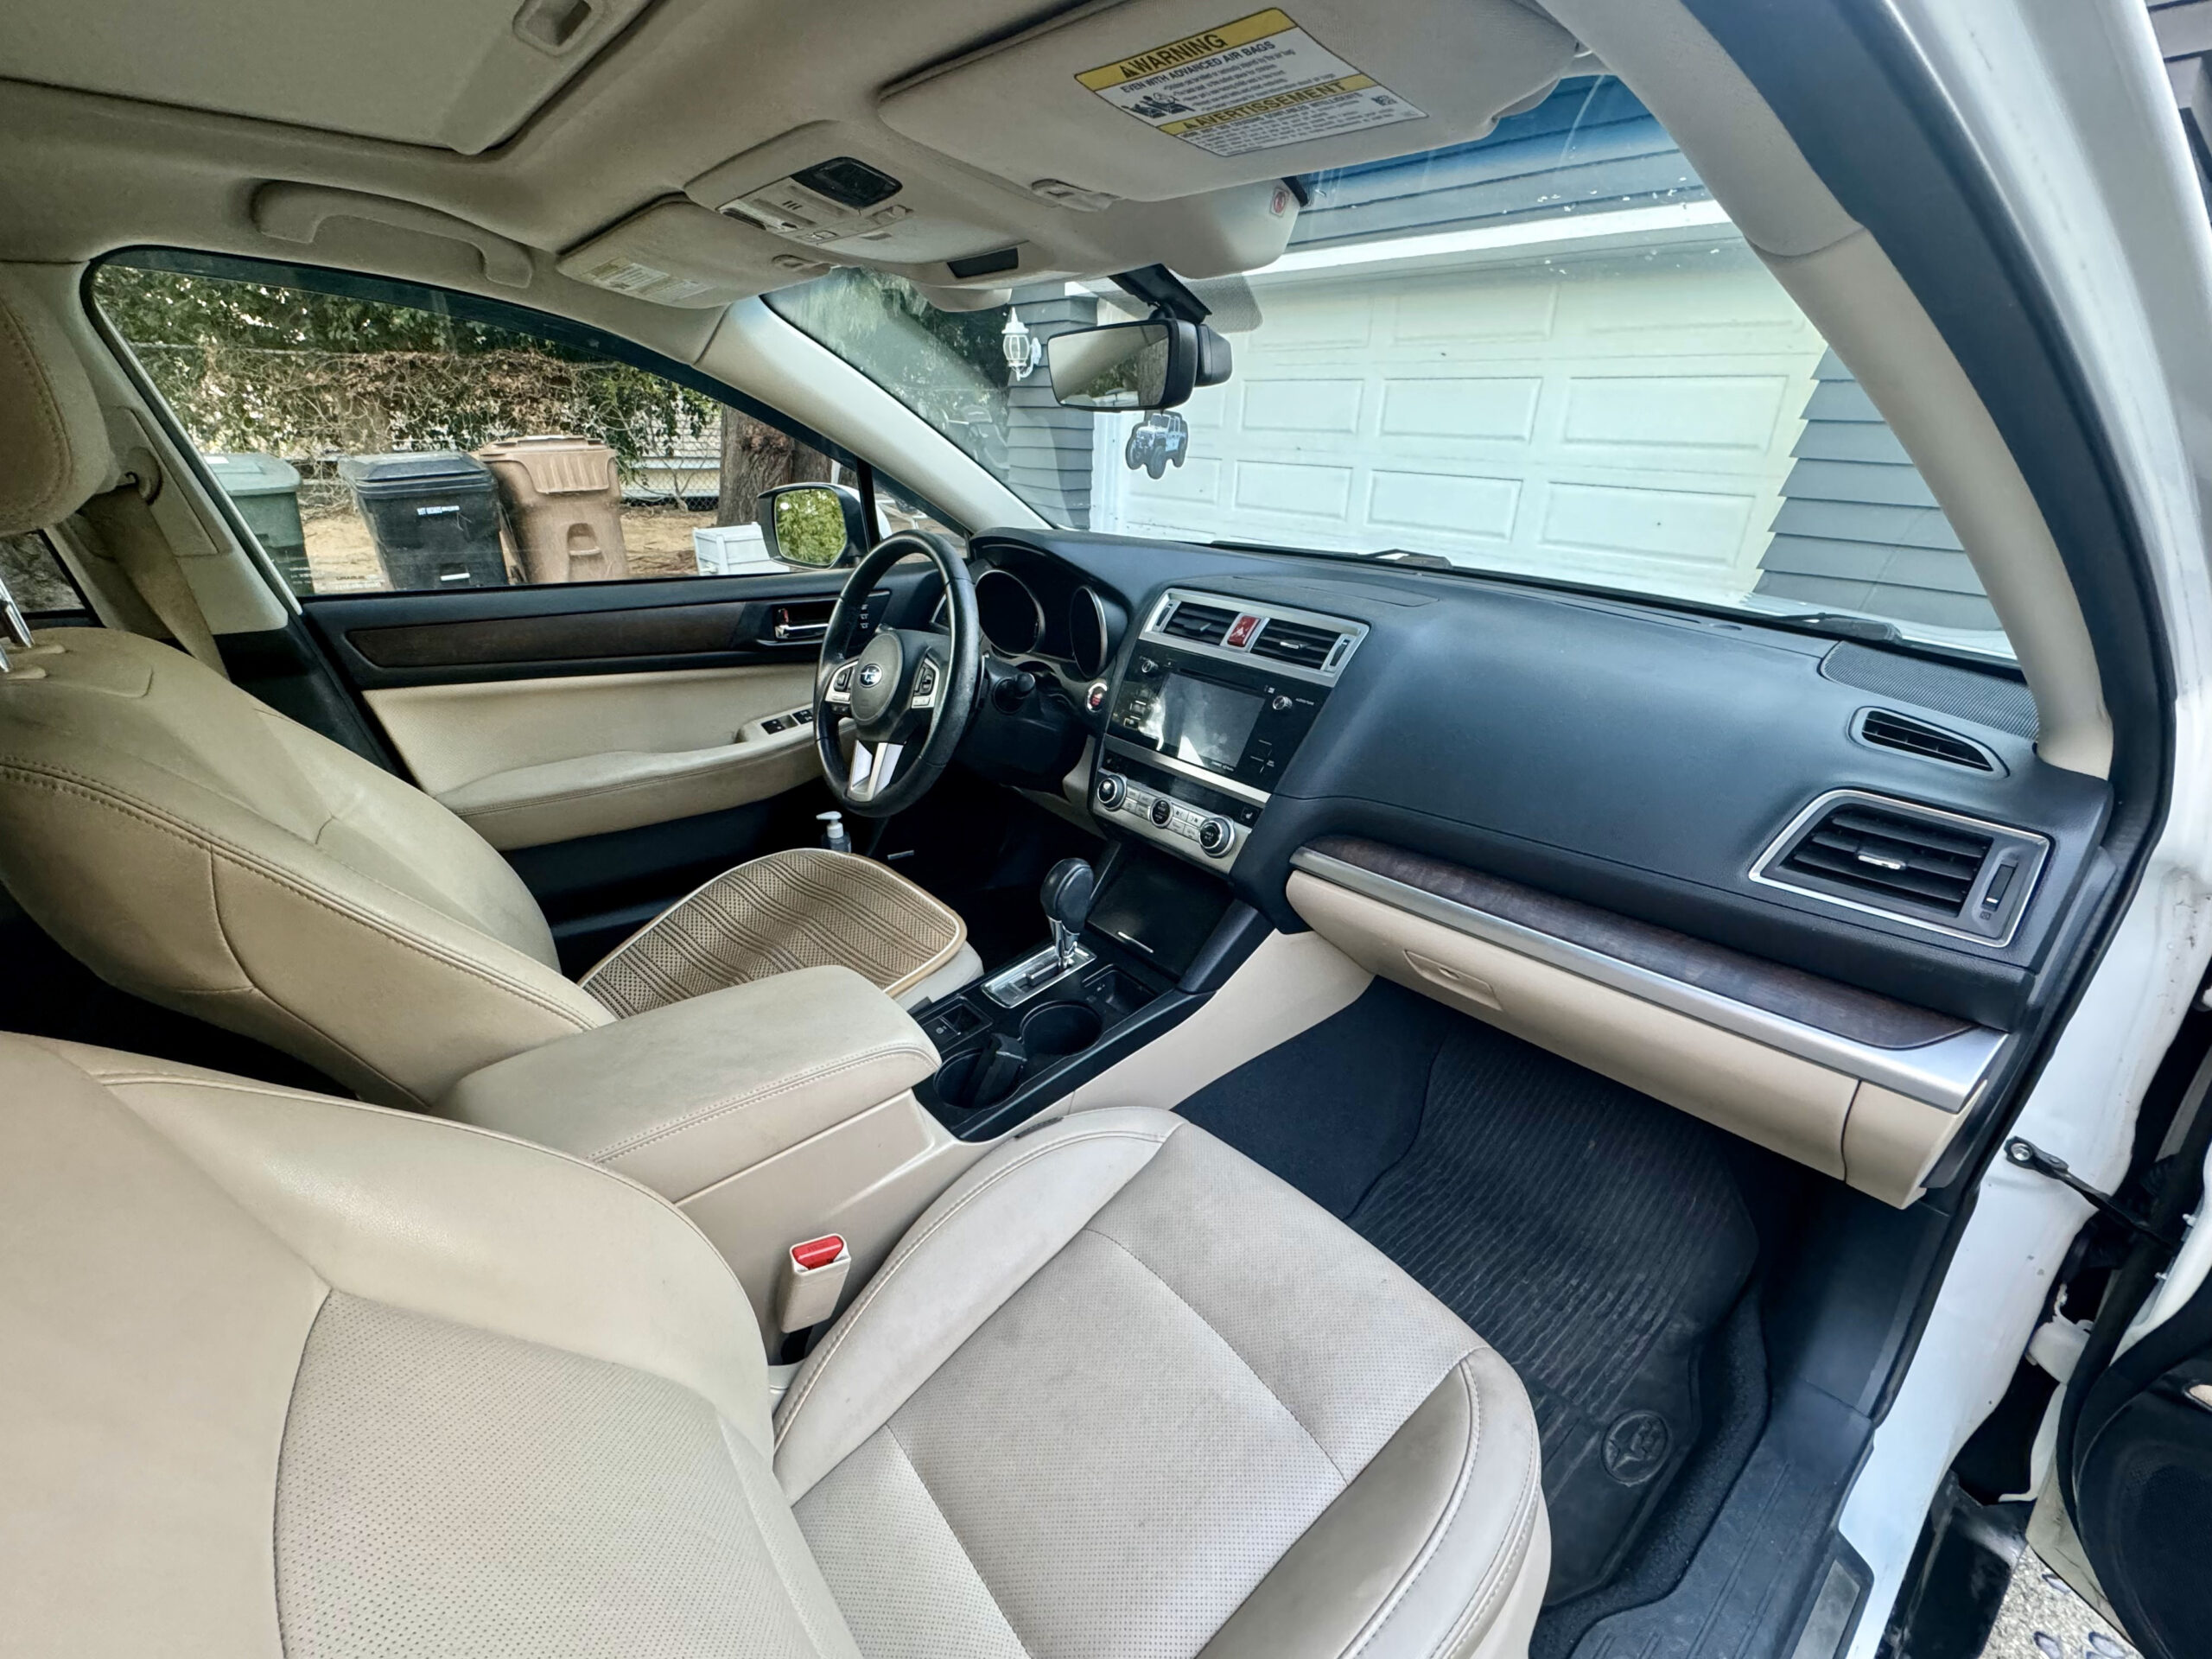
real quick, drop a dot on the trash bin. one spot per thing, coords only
(565, 507)
(434, 515)
(267, 492)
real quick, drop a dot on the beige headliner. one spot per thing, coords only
(693, 83)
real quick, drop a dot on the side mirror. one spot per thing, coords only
(812, 524)
(1152, 365)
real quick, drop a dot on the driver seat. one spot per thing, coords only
(195, 847)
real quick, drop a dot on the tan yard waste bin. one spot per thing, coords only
(564, 507)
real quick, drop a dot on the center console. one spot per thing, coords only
(1217, 697)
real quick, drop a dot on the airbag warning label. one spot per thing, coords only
(1256, 84)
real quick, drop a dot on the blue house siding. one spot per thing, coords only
(1048, 447)
(1858, 528)
(1589, 142)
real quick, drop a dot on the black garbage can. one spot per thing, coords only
(434, 515)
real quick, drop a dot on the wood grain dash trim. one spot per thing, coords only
(1823, 1004)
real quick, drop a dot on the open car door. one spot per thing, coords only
(2135, 1436)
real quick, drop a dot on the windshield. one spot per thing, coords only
(1548, 352)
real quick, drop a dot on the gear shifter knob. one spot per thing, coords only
(1069, 886)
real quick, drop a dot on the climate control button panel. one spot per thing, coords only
(1206, 826)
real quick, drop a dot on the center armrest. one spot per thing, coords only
(684, 1095)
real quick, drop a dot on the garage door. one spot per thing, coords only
(1624, 417)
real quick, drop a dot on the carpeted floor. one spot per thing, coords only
(1592, 1235)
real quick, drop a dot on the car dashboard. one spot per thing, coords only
(1806, 888)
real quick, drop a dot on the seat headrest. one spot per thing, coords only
(54, 447)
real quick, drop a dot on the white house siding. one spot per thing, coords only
(1625, 417)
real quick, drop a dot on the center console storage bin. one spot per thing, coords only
(770, 1112)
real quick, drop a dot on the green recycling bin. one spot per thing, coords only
(267, 492)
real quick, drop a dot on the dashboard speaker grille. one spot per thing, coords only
(1207, 624)
(1295, 642)
(1922, 862)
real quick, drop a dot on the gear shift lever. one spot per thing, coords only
(1069, 886)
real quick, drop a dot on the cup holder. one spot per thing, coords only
(987, 1074)
(1061, 1029)
(982, 1077)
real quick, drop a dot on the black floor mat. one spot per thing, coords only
(1592, 1235)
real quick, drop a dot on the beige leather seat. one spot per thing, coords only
(197, 849)
(291, 1374)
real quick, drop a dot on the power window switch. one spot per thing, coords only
(814, 1277)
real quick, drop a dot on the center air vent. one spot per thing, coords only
(1268, 640)
(1885, 729)
(1295, 642)
(1207, 624)
(1916, 864)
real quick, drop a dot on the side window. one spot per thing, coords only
(37, 580)
(373, 446)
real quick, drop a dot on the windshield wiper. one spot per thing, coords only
(1840, 624)
(1390, 555)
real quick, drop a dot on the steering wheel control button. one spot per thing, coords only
(924, 695)
(1215, 835)
(1111, 791)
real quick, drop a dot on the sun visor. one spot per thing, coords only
(676, 253)
(1150, 100)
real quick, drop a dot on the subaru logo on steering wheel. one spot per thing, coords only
(871, 674)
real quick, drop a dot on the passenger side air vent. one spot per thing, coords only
(1884, 729)
(1916, 864)
(1207, 624)
(1295, 642)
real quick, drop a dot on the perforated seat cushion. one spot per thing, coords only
(802, 908)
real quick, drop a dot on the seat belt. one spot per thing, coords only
(130, 535)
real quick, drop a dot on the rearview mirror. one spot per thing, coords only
(1135, 364)
(812, 524)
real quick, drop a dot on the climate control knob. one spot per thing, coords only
(1161, 810)
(1215, 835)
(1112, 790)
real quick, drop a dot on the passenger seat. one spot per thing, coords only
(301, 1375)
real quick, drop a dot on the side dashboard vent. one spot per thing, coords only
(1207, 624)
(1915, 864)
(1885, 729)
(1295, 643)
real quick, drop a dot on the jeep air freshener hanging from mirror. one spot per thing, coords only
(1161, 437)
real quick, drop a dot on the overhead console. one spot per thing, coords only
(1217, 697)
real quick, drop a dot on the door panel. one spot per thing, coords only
(528, 762)
(518, 633)
(2142, 1469)
(610, 737)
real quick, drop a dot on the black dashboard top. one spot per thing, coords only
(1630, 756)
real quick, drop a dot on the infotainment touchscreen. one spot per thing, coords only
(1205, 722)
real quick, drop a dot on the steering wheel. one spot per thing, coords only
(908, 692)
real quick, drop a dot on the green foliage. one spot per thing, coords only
(809, 527)
(311, 377)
